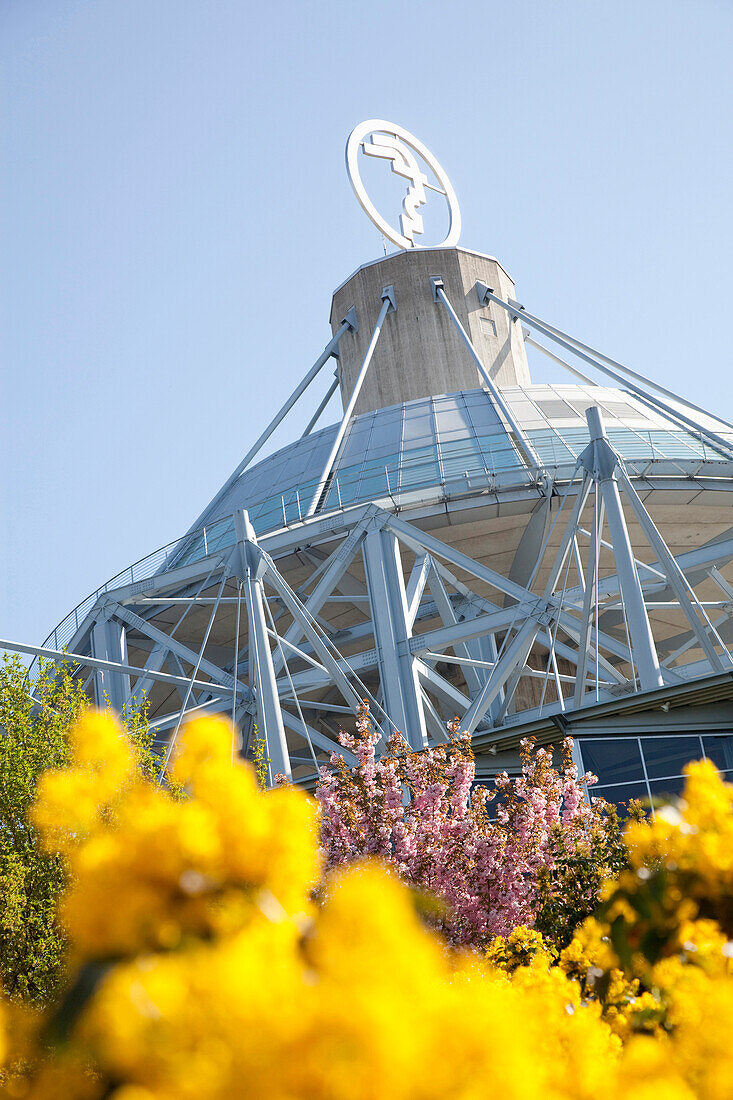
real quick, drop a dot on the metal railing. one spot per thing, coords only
(450, 470)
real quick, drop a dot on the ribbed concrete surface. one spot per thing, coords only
(420, 353)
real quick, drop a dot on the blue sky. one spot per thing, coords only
(175, 215)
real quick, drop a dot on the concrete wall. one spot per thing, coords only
(419, 353)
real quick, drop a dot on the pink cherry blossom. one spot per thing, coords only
(417, 811)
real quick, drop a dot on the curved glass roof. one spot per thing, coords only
(453, 444)
(437, 440)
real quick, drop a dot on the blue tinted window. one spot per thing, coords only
(613, 761)
(621, 795)
(668, 755)
(720, 751)
(666, 788)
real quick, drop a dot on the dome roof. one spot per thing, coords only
(454, 439)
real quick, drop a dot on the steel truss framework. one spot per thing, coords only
(294, 630)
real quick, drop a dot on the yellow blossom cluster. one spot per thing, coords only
(522, 947)
(202, 967)
(149, 870)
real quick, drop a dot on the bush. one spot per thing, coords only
(202, 966)
(531, 852)
(35, 723)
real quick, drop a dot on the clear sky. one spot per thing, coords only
(175, 215)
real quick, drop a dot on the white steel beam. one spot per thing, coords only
(109, 643)
(319, 411)
(448, 692)
(172, 644)
(619, 366)
(269, 712)
(589, 604)
(514, 657)
(600, 363)
(387, 600)
(449, 617)
(416, 586)
(602, 460)
(155, 661)
(333, 570)
(348, 324)
(320, 739)
(62, 657)
(337, 670)
(388, 306)
(520, 437)
(679, 584)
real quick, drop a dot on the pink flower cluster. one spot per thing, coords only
(418, 813)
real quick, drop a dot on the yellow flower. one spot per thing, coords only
(211, 974)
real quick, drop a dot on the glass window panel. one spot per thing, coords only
(631, 444)
(613, 761)
(464, 433)
(577, 438)
(519, 406)
(391, 415)
(352, 454)
(457, 459)
(419, 467)
(348, 484)
(485, 416)
(419, 476)
(363, 425)
(374, 484)
(567, 390)
(580, 404)
(219, 534)
(194, 551)
(666, 788)
(386, 434)
(558, 409)
(675, 444)
(295, 467)
(498, 453)
(550, 447)
(361, 429)
(668, 755)
(621, 409)
(383, 452)
(452, 419)
(534, 422)
(621, 795)
(340, 491)
(358, 437)
(720, 751)
(417, 428)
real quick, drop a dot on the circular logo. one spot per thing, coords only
(377, 138)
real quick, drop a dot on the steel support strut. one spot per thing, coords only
(485, 294)
(388, 306)
(397, 667)
(349, 324)
(111, 688)
(600, 459)
(269, 715)
(520, 437)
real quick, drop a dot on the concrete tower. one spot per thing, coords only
(421, 354)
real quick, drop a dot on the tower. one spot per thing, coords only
(535, 559)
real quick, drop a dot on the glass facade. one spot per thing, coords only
(650, 767)
(454, 440)
(554, 419)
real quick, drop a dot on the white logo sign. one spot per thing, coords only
(377, 138)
